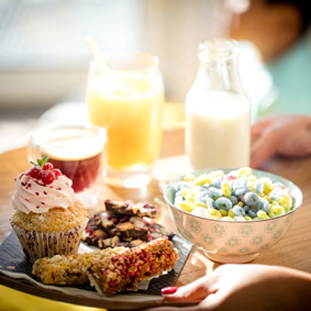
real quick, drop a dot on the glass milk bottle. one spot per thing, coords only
(217, 110)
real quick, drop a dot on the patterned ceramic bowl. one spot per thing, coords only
(232, 241)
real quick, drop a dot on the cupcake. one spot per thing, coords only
(48, 218)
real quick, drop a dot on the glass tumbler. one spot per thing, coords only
(78, 151)
(127, 100)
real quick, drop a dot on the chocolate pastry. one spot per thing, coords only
(128, 230)
(116, 227)
(92, 237)
(130, 209)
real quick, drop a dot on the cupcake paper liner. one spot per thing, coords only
(39, 244)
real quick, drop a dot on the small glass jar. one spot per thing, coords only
(217, 130)
(79, 151)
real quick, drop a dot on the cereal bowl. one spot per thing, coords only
(232, 241)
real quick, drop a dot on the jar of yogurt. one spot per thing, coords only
(217, 130)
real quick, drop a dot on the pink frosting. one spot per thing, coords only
(31, 195)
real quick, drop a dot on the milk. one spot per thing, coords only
(217, 130)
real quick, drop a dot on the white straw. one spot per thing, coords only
(98, 56)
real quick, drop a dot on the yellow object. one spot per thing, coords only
(267, 187)
(250, 185)
(226, 189)
(184, 192)
(223, 212)
(214, 174)
(251, 178)
(212, 213)
(247, 218)
(189, 178)
(245, 172)
(286, 199)
(262, 215)
(230, 213)
(200, 203)
(13, 300)
(201, 180)
(130, 108)
(185, 206)
(276, 210)
(251, 181)
(190, 196)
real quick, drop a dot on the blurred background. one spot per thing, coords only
(44, 56)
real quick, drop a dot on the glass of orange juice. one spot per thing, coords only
(127, 100)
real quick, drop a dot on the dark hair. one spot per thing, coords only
(303, 7)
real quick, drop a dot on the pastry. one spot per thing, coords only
(126, 269)
(48, 218)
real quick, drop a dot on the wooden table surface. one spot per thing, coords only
(294, 250)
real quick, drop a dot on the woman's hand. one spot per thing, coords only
(287, 135)
(244, 288)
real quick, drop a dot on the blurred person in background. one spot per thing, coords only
(285, 135)
(280, 30)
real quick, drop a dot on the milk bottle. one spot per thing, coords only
(217, 110)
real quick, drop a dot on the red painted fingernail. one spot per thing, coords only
(169, 290)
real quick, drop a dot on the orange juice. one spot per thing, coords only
(129, 106)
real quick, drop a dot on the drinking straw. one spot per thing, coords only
(98, 56)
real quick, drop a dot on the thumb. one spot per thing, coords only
(265, 147)
(197, 290)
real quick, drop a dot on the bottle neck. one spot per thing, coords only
(220, 76)
(218, 68)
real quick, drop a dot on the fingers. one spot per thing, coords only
(259, 127)
(265, 147)
(297, 144)
(197, 290)
(288, 135)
